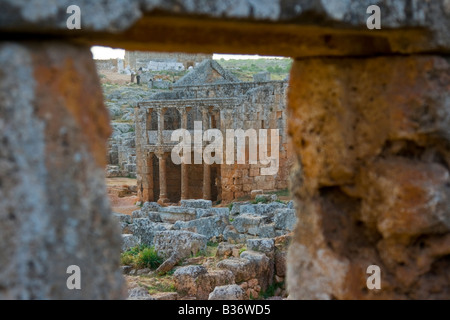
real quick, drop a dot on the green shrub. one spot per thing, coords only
(148, 258)
(141, 257)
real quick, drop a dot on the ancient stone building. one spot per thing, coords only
(216, 98)
(138, 59)
(368, 121)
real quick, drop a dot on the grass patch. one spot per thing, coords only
(159, 287)
(281, 193)
(244, 198)
(140, 257)
(242, 250)
(260, 200)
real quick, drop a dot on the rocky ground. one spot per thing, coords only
(196, 251)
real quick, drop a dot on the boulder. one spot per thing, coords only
(197, 281)
(265, 246)
(184, 243)
(247, 223)
(228, 292)
(210, 227)
(144, 230)
(129, 241)
(139, 293)
(285, 219)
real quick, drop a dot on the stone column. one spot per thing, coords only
(148, 193)
(184, 166)
(161, 112)
(162, 177)
(206, 167)
(148, 123)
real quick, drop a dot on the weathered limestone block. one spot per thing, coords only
(423, 25)
(209, 226)
(227, 292)
(129, 241)
(265, 246)
(53, 204)
(266, 197)
(374, 182)
(124, 222)
(266, 230)
(236, 209)
(197, 281)
(225, 249)
(231, 235)
(184, 243)
(144, 230)
(150, 215)
(285, 219)
(241, 268)
(262, 267)
(139, 293)
(247, 223)
(173, 214)
(250, 265)
(150, 206)
(196, 203)
(262, 209)
(202, 213)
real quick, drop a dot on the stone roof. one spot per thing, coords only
(207, 72)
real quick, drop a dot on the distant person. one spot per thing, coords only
(133, 74)
(138, 76)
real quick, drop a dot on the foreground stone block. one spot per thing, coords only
(373, 186)
(54, 210)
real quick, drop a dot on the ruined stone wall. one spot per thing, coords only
(263, 107)
(106, 64)
(138, 59)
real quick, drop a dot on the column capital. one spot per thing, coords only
(161, 110)
(161, 154)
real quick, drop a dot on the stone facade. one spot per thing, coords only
(223, 104)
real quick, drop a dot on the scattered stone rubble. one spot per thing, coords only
(251, 253)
